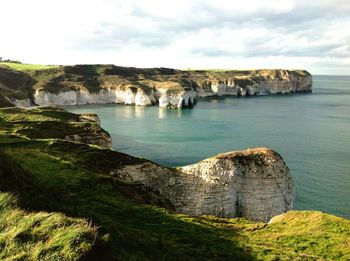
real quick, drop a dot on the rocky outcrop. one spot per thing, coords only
(55, 123)
(254, 183)
(90, 131)
(100, 139)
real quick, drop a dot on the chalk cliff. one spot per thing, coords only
(100, 84)
(253, 183)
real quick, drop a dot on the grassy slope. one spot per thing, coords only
(27, 67)
(41, 235)
(71, 178)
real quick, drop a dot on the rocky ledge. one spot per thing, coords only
(100, 84)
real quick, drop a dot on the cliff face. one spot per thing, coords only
(254, 183)
(178, 89)
(100, 84)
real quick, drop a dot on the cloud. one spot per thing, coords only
(192, 33)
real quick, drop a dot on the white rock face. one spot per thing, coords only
(21, 103)
(285, 83)
(79, 97)
(169, 99)
(142, 99)
(101, 97)
(242, 91)
(176, 99)
(254, 183)
(172, 93)
(217, 88)
(62, 98)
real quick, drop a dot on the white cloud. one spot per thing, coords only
(205, 34)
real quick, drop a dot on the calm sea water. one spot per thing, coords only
(310, 131)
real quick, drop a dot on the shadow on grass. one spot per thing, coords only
(137, 231)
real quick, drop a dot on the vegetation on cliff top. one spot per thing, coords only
(74, 179)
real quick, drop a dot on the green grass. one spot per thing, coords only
(41, 235)
(54, 175)
(27, 67)
(309, 234)
(136, 231)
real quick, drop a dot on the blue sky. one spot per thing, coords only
(313, 35)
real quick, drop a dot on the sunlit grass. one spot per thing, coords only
(41, 235)
(27, 67)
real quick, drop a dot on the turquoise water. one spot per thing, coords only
(310, 131)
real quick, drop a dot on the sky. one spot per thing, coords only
(312, 35)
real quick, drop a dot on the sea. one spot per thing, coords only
(311, 132)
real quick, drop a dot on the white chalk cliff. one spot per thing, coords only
(176, 89)
(253, 183)
(101, 84)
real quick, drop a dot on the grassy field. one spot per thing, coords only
(27, 67)
(74, 179)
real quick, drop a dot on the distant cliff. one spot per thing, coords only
(100, 84)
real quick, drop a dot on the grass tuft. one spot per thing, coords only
(41, 235)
